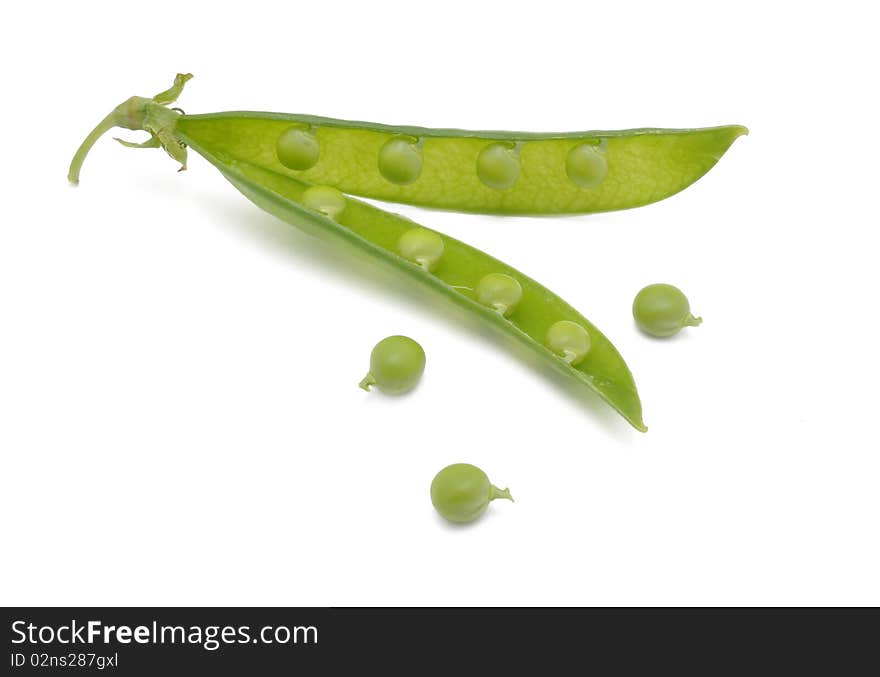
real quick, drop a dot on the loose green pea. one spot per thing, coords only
(663, 310)
(325, 199)
(396, 365)
(400, 160)
(297, 148)
(586, 165)
(421, 246)
(499, 291)
(498, 165)
(461, 492)
(569, 340)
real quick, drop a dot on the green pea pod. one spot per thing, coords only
(508, 300)
(471, 171)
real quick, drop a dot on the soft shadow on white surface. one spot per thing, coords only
(453, 527)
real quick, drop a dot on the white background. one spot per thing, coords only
(180, 421)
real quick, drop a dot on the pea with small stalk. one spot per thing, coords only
(461, 492)
(662, 310)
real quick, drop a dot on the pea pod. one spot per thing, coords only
(509, 301)
(471, 171)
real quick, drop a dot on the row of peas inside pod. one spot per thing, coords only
(400, 159)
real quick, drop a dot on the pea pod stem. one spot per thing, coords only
(100, 129)
(130, 114)
(139, 113)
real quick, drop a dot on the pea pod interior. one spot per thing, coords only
(473, 171)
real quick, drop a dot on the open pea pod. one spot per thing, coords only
(471, 171)
(493, 291)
